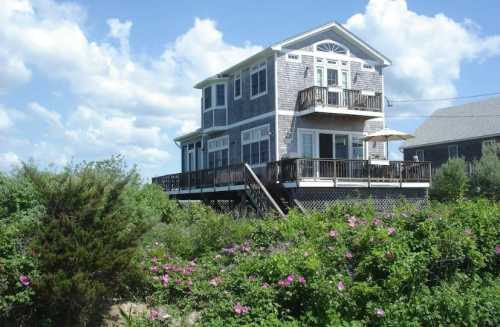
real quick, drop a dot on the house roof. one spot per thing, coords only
(188, 136)
(467, 121)
(282, 44)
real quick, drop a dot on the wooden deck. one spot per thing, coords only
(330, 172)
(283, 184)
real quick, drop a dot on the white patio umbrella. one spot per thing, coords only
(386, 135)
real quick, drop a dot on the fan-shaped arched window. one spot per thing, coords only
(330, 46)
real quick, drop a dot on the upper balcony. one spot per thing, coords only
(319, 99)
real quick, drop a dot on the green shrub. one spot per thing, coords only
(344, 266)
(95, 215)
(450, 181)
(486, 175)
(19, 216)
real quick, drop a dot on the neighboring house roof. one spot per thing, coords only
(383, 60)
(468, 121)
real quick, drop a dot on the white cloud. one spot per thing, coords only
(8, 161)
(5, 120)
(52, 117)
(127, 104)
(427, 52)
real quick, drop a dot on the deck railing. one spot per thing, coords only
(352, 171)
(217, 177)
(293, 170)
(350, 99)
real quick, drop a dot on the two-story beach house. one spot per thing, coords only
(286, 128)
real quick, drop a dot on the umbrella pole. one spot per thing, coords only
(387, 148)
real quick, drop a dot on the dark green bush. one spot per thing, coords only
(486, 174)
(450, 181)
(95, 216)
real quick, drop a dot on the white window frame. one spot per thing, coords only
(298, 58)
(223, 146)
(237, 76)
(325, 63)
(301, 142)
(214, 96)
(259, 139)
(315, 48)
(450, 147)
(316, 133)
(214, 105)
(256, 70)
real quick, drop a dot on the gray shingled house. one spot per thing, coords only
(285, 128)
(460, 131)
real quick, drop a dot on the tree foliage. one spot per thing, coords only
(450, 181)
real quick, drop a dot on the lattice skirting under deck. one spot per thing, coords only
(384, 199)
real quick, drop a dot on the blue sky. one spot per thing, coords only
(85, 80)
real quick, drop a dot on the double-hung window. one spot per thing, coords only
(237, 86)
(207, 97)
(218, 152)
(220, 95)
(332, 77)
(258, 80)
(255, 145)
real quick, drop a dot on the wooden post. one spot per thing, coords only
(400, 164)
(335, 173)
(369, 172)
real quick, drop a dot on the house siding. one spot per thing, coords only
(288, 126)
(235, 140)
(438, 154)
(244, 107)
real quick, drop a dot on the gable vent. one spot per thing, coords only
(331, 47)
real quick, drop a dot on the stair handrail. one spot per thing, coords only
(263, 189)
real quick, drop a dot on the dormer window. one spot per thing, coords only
(330, 46)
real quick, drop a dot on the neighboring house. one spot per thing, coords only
(313, 96)
(456, 132)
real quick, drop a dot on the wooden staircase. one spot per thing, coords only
(258, 195)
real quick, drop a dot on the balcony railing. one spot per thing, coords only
(296, 170)
(350, 99)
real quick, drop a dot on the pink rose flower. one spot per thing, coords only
(25, 280)
(333, 234)
(348, 255)
(302, 280)
(391, 231)
(265, 285)
(497, 249)
(164, 280)
(241, 309)
(340, 286)
(377, 222)
(380, 312)
(154, 314)
(351, 221)
(154, 269)
(290, 278)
